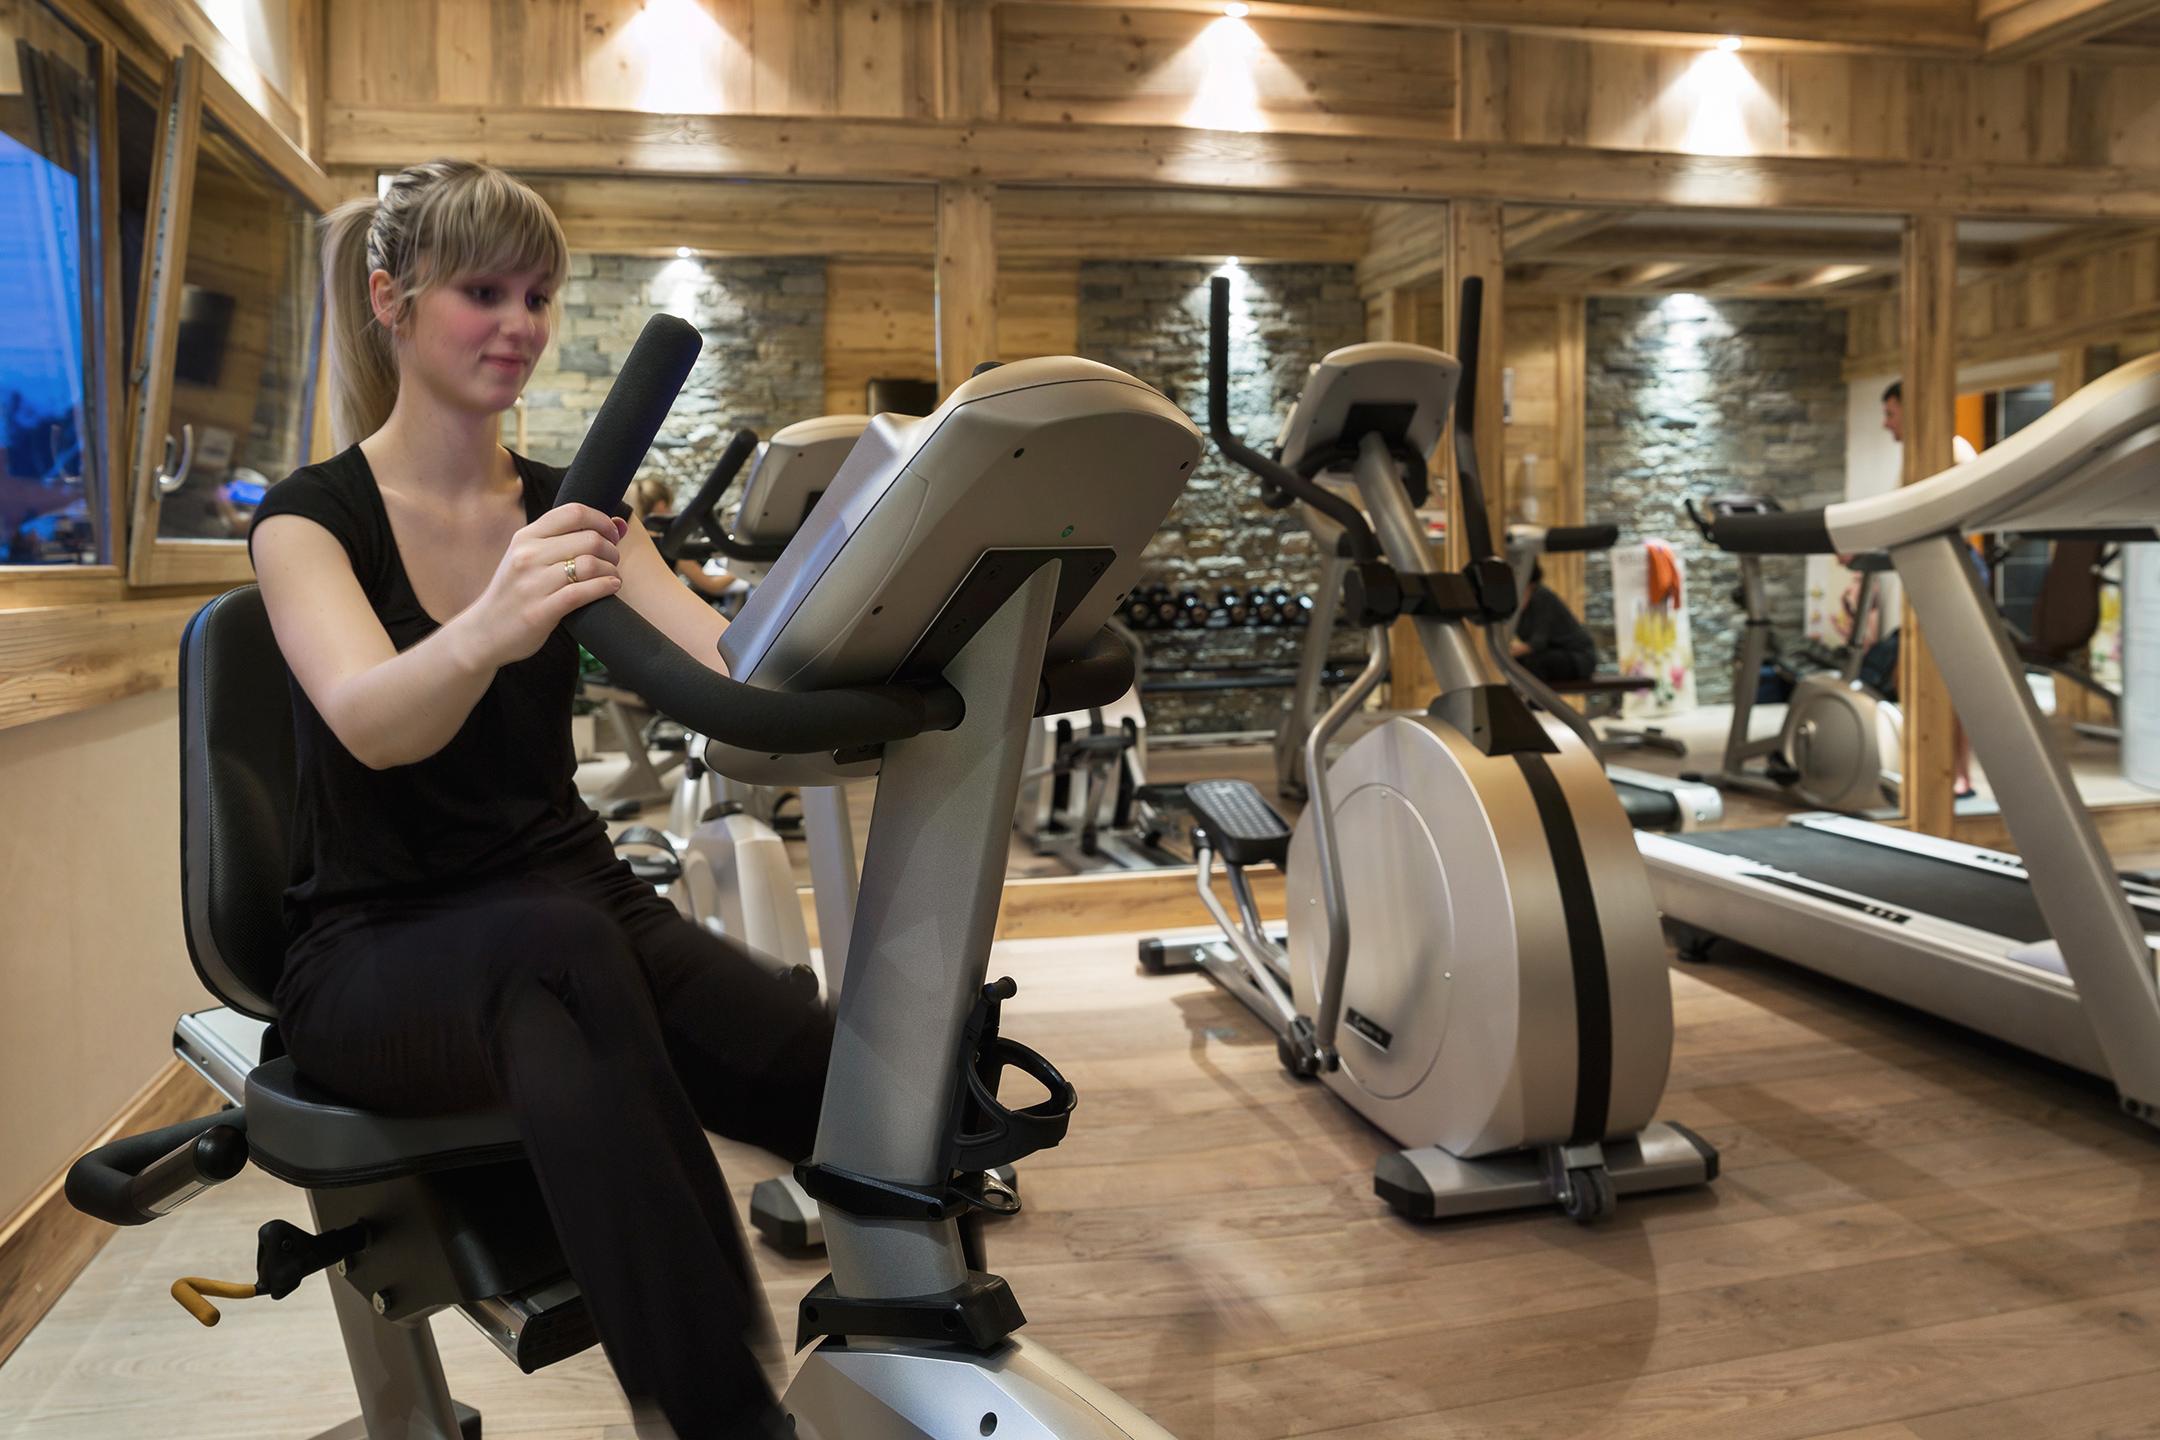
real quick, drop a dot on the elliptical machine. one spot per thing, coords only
(1835, 749)
(1486, 981)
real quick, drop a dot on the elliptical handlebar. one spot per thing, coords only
(1580, 539)
(1363, 544)
(703, 509)
(1477, 525)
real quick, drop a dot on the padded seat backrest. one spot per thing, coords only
(2066, 612)
(237, 784)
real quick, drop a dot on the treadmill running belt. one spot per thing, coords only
(1999, 904)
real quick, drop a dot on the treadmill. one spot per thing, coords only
(2050, 950)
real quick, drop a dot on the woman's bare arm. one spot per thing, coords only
(395, 708)
(651, 589)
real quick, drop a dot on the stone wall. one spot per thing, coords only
(763, 365)
(1150, 319)
(1689, 395)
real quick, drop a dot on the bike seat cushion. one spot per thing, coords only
(1243, 827)
(308, 1137)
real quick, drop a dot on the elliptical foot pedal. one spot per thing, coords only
(1245, 828)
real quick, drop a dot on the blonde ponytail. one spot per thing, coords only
(433, 224)
(363, 368)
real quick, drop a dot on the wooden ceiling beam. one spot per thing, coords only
(545, 140)
(1834, 279)
(1764, 277)
(655, 215)
(1058, 225)
(1930, 27)
(1793, 247)
(1543, 231)
(1406, 249)
(2031, 29)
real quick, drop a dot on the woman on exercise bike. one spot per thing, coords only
(461, 932)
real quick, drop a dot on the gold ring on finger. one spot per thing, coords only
(570, 568)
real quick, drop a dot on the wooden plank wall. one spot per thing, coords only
(1558, 90)
(1543, 349)
(2089, 292)
(880, 321)
(748, 57)
(1144, 66)
(1173, 67)
(652, 215)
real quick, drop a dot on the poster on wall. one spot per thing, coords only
(1833, 596)
(2140, 707)
(1651, 621)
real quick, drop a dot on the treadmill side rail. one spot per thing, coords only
(1966, 976)
(2072, 876)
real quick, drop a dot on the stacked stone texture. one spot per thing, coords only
(1689, 395)
(763, 364)
(1151, 319)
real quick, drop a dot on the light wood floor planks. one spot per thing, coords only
(1919, 1236)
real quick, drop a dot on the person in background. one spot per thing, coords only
(1961, 450)
(656, 502)
(1549, 641)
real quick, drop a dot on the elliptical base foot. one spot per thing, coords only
(1430, 1184)
(783, 1212)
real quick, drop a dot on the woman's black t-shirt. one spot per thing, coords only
(499, 798)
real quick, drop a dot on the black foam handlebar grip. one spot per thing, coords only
(1356, 533)
(703, 507)
(1469, 325)
(1573, 539)
(631, 415)
(130, 1180)
(1780, 532)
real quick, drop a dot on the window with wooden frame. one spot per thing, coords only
(54, 132)
(228, 338)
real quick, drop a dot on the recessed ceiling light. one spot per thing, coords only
(684, 252)
(1729, 44)
(1237, 12)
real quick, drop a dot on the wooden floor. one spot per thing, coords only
(1918, 1236)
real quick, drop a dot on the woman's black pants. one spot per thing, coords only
(616, 1033)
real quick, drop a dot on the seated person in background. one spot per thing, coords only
(655, 502)
(1549, 641)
